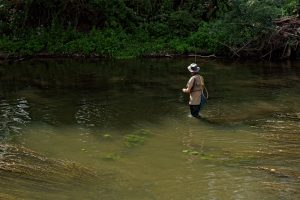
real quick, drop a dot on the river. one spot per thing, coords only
(120, 129)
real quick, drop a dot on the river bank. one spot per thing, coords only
(7, 58)
(278, 42)
(125, 29)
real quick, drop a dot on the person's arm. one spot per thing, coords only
(189, 86)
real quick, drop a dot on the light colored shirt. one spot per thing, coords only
(195, 86)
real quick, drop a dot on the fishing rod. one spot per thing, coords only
(195, 59)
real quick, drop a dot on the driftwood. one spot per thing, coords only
(203, 56)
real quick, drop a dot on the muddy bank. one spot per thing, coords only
(9, 58)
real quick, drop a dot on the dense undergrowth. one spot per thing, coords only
(130, 28)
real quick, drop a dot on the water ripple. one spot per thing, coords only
(90, 114)
(13, 116)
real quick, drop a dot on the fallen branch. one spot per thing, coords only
(201, 56)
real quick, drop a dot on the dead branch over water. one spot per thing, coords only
(280, 42)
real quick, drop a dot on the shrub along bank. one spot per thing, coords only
(129, 28)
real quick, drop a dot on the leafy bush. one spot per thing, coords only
(182, 23)
(289, 7)
(158, 29)
(180, 46)
(208, 38)
(8, 45)
(119, 28)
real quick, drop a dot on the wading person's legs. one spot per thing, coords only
(195, 109)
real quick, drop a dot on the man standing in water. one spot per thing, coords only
(195, 88)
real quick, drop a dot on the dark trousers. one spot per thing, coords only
(195, 109)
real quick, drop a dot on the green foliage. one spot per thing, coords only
(8, 45)
(122, 28)
(180, 46)
(245, 21)
(108, 42)
(157, 29)
(182, 23)
(256, 13)
(208, 38)
(57, 38)
(289, 7)
(11, 20)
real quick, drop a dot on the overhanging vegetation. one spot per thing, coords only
(132, 28)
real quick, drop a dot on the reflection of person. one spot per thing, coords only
(195, 88)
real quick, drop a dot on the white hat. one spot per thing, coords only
(193, 68)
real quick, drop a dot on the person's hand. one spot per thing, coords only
(183, 90)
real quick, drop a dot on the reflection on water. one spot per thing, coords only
(120, 130)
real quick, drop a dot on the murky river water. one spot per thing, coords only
(121, 130)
